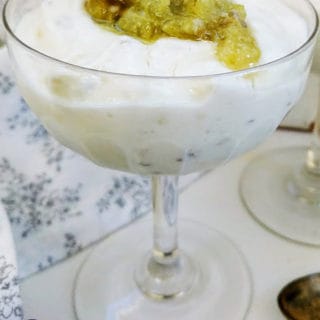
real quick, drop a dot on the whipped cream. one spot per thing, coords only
(63, 29)
(156, 125)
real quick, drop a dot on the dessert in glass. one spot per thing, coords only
(288, 180)
(161, 88)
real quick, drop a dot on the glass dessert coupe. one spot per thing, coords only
(288, 180)
(162, 127)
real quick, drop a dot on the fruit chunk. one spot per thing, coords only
(220, 21)
(106, 10)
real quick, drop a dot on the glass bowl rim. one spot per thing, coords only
(303, 47)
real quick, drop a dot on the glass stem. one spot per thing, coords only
(305, 183)
(312, 163)
(165, 272)
(165, 206)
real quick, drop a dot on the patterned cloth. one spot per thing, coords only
(57, 202)
(10, 302)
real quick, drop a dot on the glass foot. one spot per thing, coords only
(282, 196)
(105, 288)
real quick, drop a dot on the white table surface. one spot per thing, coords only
(214, 199)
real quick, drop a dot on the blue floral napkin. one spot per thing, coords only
(10, 302)
(57, 202)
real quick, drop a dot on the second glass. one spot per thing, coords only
(288, 180)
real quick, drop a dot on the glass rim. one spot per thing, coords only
(277, 61)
